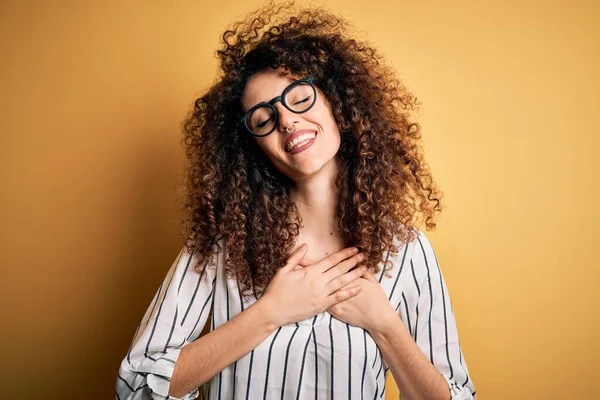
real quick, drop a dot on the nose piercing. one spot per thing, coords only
(286, 129)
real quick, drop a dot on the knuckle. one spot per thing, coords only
(335, 259)
(337, 270)
(344, 279)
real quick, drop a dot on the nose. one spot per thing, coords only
(285, 117)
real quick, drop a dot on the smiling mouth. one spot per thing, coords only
(300, 141)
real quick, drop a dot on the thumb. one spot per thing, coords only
(295, 258)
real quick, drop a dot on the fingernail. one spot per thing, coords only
(363, 268)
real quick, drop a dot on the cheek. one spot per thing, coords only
(330, 126)
(267, 145)
(327, 120)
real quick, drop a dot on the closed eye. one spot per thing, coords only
(303, 100)
(263, 123)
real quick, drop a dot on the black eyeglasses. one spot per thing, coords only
(299, 97)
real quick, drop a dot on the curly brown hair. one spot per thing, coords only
(234, 197)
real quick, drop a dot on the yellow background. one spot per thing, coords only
(92, 95)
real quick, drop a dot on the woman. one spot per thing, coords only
(307, 138)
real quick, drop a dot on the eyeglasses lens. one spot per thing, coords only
(299, 99)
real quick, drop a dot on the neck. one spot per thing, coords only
(316, 198)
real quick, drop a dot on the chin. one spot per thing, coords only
(308, 169)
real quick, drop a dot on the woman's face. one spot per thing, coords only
(264, 86)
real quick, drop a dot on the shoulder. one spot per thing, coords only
(189, 264)
(423, 244)
(419, 256)
(420, 243)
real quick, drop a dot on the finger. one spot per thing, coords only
(305, 262)
(342, 267)
(295, 258)
(335, 259)
(347, 285)
(344, 279)
(341, 295)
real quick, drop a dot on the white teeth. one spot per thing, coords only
(300, 140)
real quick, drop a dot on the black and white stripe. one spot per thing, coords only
(320, 357)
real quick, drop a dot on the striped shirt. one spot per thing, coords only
(317, 358)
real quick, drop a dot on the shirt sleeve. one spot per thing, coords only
(175, 317)
(433, 324)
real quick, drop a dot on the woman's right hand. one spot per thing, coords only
(295, 294)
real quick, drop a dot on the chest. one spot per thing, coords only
(228, 302)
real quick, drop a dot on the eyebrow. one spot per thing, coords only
(267, 102)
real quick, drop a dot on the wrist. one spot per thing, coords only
(268, 311)
(384, 324)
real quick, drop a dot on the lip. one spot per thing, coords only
(296, 134)
(304, 146)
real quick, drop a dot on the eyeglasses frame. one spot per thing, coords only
(271, 104)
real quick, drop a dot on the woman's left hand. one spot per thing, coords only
(369, 309)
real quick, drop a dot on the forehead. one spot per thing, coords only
(264, 86)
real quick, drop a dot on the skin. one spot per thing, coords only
(313, 171)
(304, 287)
(295, 293)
